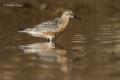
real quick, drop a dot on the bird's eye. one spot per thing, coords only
(70, 13)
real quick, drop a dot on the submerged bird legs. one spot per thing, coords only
(50, 39)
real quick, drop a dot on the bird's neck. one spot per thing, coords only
(65, 18)
(64, 21)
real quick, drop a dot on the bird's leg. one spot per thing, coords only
(53, 38)
(50, 39)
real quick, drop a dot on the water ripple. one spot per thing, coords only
(78, 39)
(108, 35)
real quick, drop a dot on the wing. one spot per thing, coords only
(48, 26)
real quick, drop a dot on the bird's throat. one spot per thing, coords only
(64, 22)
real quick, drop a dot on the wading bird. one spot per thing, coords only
(50, 29)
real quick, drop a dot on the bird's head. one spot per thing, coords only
(70, 14)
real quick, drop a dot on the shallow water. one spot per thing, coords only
(86, 50)
(72, 57)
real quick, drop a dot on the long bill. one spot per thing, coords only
(77, 17)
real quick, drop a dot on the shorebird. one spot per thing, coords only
(49, 29)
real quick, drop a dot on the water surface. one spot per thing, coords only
(86, 50)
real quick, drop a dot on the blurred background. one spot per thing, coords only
(87, 50)
(15, 14)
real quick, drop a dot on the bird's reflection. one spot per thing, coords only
(39, 48)
(48, 52)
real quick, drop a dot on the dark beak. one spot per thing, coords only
(77, 17)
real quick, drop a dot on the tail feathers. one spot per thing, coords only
(23, 31)
(27, 30)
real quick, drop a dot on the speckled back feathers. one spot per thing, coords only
(48, 26)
